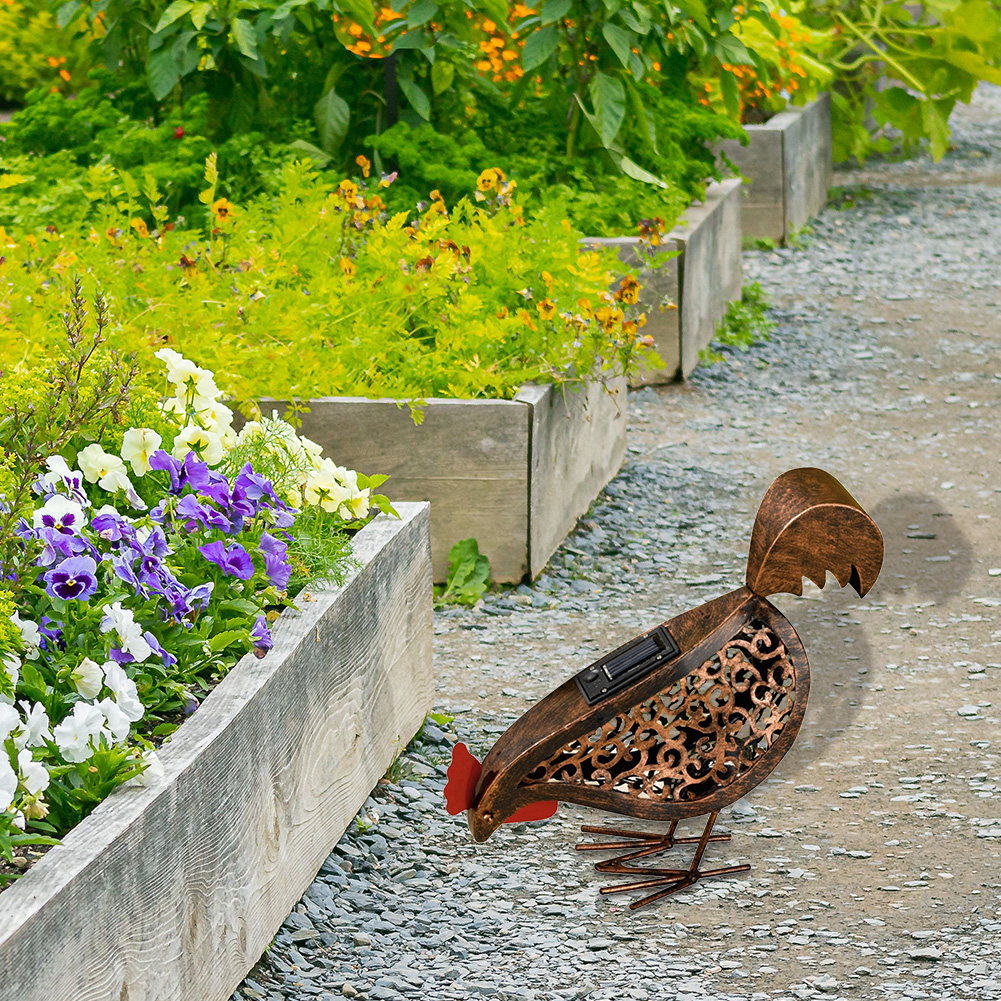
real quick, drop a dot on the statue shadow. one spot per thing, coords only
(927, 562)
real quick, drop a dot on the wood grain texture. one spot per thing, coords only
(808, 164)
(578, 444)
(172, 892)
(469, 458)
(711, 271)
(789, 166)
(660, 285)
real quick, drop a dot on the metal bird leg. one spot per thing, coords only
(672, 879)
(649, 843)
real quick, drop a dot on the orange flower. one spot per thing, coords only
(546, 308)
(139, 225)
(223, 210)
(349, 267)
(628, 291)
(365, 164)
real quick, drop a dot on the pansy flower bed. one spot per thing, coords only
(138, 568)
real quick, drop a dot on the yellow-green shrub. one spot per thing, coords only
(317, 293)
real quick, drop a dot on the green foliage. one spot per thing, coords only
(586, 188)
(62, 156)
(933, 56)
(317, 293)
(35, 52)
(77, 395)
(745, 322)
(468, 575)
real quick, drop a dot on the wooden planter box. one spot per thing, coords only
(701, 280)
(788, 161)
(513, 474)
(173, 891)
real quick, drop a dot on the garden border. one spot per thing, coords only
(705, 276)
(172, 891)
(513, 474)
(790, 166)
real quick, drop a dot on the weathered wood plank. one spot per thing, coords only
(807, 163)
(172, 892)
(711, 271)
(578, 444)
(469, 458)
(789, 166)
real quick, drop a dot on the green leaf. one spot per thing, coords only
(362, 11)
(539, 46)
(163, 73)
(67, 12)
(332, 116)
(730, 90)
(936, 126)
(244, 36)
(621, 41)
(468, 574)
(173, 13)
(729, 49)
(442, 75)
(199, 14)
(226, 638)
(316, 154)
(32, 682)
(635, 171)
(978, 20)
(554, 10)
(418, 99)
(421, 13)
(496, 10)
(609, 99)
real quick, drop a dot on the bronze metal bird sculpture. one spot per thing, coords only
(688, 717)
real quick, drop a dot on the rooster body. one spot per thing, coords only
(691, 715)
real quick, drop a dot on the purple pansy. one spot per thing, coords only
(74, 579)
(234, 561)
(110, 525)
(261, 636)
(278, 570)
(168, 658)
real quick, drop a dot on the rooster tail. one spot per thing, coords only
(808, 524)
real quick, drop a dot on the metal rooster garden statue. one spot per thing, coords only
(687, 718)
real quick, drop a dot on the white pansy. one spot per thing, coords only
(118, 724)
(34, 775)
(138, 444)
(88, 677)
(174, 406)
(217, 418)
(74, 734)
(31, 636)
(154, 770)
(8, 783)
(96, 464)
(323, 487)
(19, 820)
(130, 634)
(60, 474)
(310, 447)
(125, 691)
(60, 513)
(10, 719)
(206, 445)
(117, 481)
(359, 505)
(35, 728)
(192, 382)
(11, 664)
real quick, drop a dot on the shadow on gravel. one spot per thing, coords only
(927, 561)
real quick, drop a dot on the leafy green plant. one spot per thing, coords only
(745, 322)
(468, 575)
(318, 292)
(35, 52)
(933, 55)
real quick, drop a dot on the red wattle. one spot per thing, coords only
(463, 774)
(534, 811)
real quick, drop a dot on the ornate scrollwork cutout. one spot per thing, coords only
(696, 737)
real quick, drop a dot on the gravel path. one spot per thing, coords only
(874, 844)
